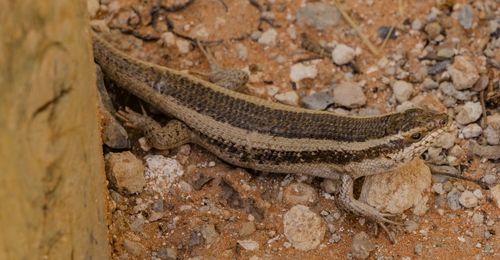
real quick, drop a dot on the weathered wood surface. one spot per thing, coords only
(51, 169)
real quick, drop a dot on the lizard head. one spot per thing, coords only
(417, 129)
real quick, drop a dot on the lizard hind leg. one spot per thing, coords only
(346, 201)
(173, 134)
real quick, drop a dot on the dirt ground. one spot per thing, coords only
(208, 207)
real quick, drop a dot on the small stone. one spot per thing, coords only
(247, 229)
(318, 101)
(185, 187)
(303, 228)
(465, 17)
(438, 67)
(463, 73)
(137, 224)
(429, 84)
(418, 249)
(383, 32)
(477, 218)
(410, 226)
(134, 248)
(255, 36)
(167, 253)
(342, 54)
(453, 199)
(300, 193)
(248, 244)
(399, 190)
(169, 39)
(183, 46)
(329, 185)
(417, 25)
(471, 131)
(402, 90)
(445, 53)
(209, 233)
(349, 94)
(489, 179)
(468, 113)
(268, 38)
(289, 98)
(445, 141)
(242, 51)
(495, 194)
(300, 71)
(125, 172)
(468, 200)
(492, 135)
(433, 29)
(319, 15)
(438, 188)
(362, 246)
(478, 193)
(457, 151)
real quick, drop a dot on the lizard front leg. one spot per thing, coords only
(347, 202)
(173, 134)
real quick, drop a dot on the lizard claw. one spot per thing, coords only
(131, 118)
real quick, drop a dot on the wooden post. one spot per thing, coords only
(52, 184)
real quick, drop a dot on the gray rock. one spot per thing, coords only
(417, 25)
(303, 228)
(433, 29)
(318, 101)
(453, 199)
(209, 233)
(445, 53)
(438, 188)
(362, 246)
(418, 249)
(137, 224)
(438, 67)
(349, 94)
(463, 73)
(448, 89)
(255, 36)
(289, 98)
(301, 71)
(465, 17)
(492, 135)
(468, 200)
(472, 130)
(399, 190)
(248, 244)
(429, 84)
(167, 253)
(242, 51)
(489, 179)
(269, 37)
(495, 194)
(247, 229)
(125, 172)
(300, 193)
(342, 54)
(319, 15)
(134, 248)
(402, 90)
(478, 218)
(468, 113)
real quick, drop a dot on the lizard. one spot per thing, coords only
(251, 132)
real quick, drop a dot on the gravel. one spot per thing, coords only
(318, 101)
(402, 90)
(472, 131)
(268, 38)
(362, 246)
(301, 71)
(465, 17)
(468, 113)
(342, 54)
(319, 15)
(468, 200)
(349, 94)
(463, 73)
(303, 228)
(125, 172)
(300, 193)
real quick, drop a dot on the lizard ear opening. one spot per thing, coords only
(416, 136)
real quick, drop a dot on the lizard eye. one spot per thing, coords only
(416, 136)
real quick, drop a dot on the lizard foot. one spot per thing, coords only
(132, 119)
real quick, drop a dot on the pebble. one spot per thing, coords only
(92, 7)
(343, 54)
(362, 246)
(402, 90)
(418, 249)
(438, 67)
(162, 172)
(463, 73)
(492, 135)
(125, 172)
(303, 228)
(489, 179)
(446, 53)
(300, 193)
(255, 36)
(349, 94)
(301, 71)
(433, 29)
(318, 101)
(318, 15)
(167, 253)
(468, 200)
(465, 16)
(183, 46)
(247, 229)
(209, 233)
(477, 218)
(417, 25)
(495, 194)
(383, 32)
(268, 38)
(168, 39)
(289, 98)
(134, 248)
(453, 199)
(438, 188)
(478, 193)
(445, 141)
(248, 244)
(448, 89)
(410, 226)
(429, 84)
(242, 51)
(468, 113)
(399, 190)
(471, 131)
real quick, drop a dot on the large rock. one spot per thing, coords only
(125, 172)
(399, 190)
